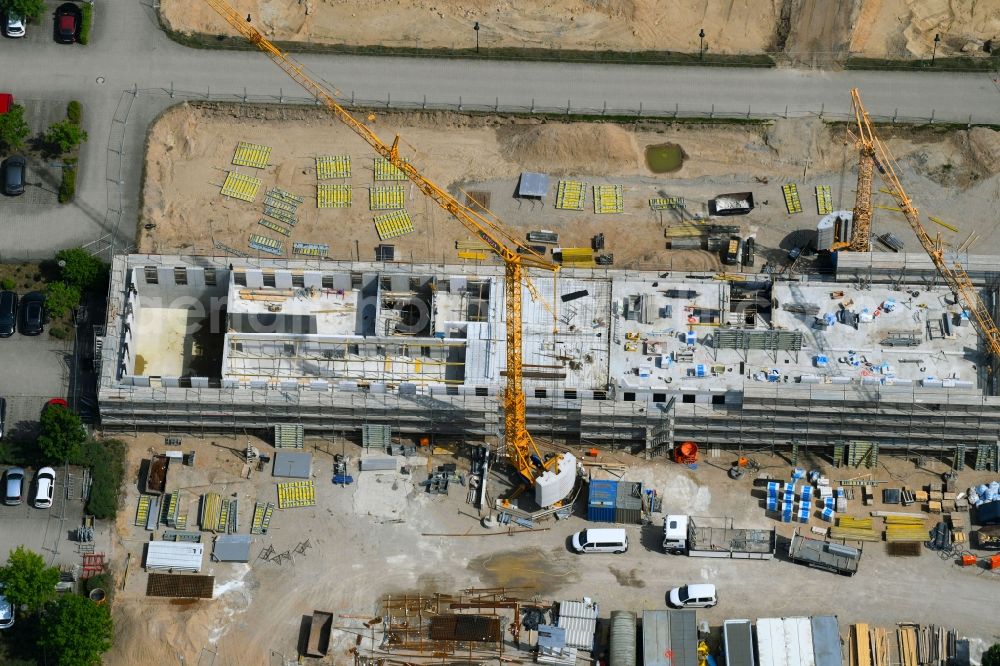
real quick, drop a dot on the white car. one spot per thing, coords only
(14, 26)
(700, 595)
(45, 483)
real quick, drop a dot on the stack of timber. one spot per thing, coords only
(926, 645)
(905, 528)
(855, 529)
(879, 639)
(859, 649)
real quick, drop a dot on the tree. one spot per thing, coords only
(76, 631)
(82, 269)
(62, 433)
(28, 581)
(64, 136)
(992, 656)
(60, 298)
(32, 9)
(13, 128)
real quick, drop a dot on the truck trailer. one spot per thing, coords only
(682, 535)
(826, 555)
(737, 642)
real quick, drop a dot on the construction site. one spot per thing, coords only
(453, 396)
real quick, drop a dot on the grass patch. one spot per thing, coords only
(206, 41)
(86, 20)
(959, 64)
(74, 112)
(67, 187)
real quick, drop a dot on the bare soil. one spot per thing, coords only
(812, 31)
(950, 174)
(381, 535)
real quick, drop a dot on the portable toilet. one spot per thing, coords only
(889, 305)
(773, 375)
(690, 338)
(645, 371)
(822, 361)
(830, 318)
(700, 370)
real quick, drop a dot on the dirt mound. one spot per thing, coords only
(580, 147)
(984, 147)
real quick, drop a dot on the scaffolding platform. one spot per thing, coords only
(608, 199)
(240, 186)
(288, 436)
(386, 170)
(392, 225)
(274, 226)
(570, 195)
(265, 244)
(251, 155)
(295, 494)
(386, 198)
(334, 196)
(329, 167)
(311, 249)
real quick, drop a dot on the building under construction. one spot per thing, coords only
(879, 354)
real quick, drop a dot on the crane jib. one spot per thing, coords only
(491, 242)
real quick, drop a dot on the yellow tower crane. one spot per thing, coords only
(861, 223)
(954, 275)
(519, 445)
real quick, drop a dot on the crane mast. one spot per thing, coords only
(519, 445)
(954, 275)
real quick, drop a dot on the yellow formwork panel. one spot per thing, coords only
(334, 196)
(251, 155)
(240, 186)
(824, 200)
(608, 199)
(664, 203)
(472, 256)
(386, 198)
(333, 166)
(265, 244)
(386, 170)
(791, 194)
(142, 511)
(393, 224)
(571, 195)
(274, 226)
(577, 257)
(295, 494)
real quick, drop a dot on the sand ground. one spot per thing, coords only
(373, 538)
(810, 31)
(952, 175)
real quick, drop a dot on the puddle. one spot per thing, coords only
(627, 578)
(531, 568)
(664, 157)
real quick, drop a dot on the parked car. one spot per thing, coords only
(45, 483)
(6, 610)
(32, 312)
(700, 595)
(13, 493)
(14, 25)
(67, 22)
(15, 170)
(607, 540)
(3, 416)
(8, 313)
(794, 253)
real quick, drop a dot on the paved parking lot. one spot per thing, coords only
(32, 370)
(45, 531)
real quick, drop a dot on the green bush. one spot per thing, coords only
(107, 469)
(59, 333)
(74, 111)
(67, 188)
(102, 581)
(61, 298)
(7, 284)
(85, 21)
(63, 137)
(81, 269)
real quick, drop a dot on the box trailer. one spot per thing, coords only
(156, 475)
(826, 555)
(683, 535)
(669, 638)
(737, 642)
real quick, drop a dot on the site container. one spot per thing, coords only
(622, 649)
(601, 500)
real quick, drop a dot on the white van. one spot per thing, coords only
(600, 541)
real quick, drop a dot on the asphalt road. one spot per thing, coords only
(127, 49)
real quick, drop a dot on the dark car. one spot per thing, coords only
(15, 169)
(32, 313)
(3, 416)
(748, 252)
(67, 23)
(8, 313)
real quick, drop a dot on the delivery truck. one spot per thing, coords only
(716, 537)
